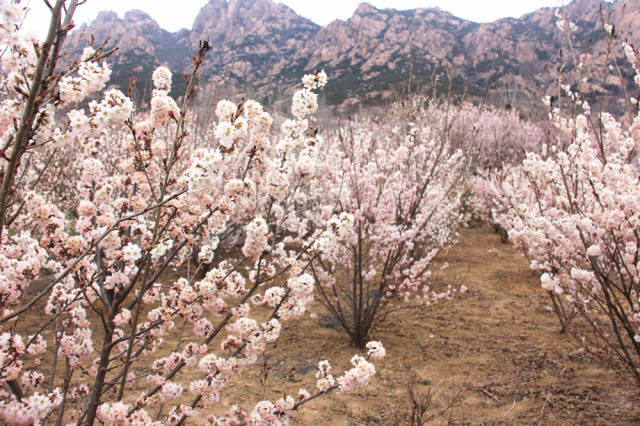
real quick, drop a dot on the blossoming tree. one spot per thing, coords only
(399, 184)
(572, 210)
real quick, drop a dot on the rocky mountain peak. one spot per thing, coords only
(221, 20)
(142, 21)
(106, 16)
(365, 9)
(268, 46)
(137, 15)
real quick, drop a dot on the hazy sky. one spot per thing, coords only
(173, 15)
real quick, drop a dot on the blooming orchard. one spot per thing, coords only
(140, 198)
(99, 201)
(572, 210)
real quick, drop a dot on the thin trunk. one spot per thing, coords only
(23, 134)
(67, 380)
(96, 391)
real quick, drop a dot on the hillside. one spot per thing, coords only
(262, 46)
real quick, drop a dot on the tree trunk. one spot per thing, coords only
(94, 400)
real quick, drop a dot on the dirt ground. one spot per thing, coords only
(491, 356)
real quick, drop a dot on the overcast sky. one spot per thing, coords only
(173, 15)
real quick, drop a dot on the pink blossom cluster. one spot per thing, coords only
(358, 376)
(91, 79)
(30, 410)
(20, 262)
(163, 107)
(493, 137)
(256, 241)
(305, 101)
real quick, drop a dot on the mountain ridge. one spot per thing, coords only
(260, 46)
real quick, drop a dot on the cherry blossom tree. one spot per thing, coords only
(399, 185)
